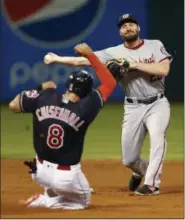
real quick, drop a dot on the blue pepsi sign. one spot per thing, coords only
(30, 29)
(56, 23)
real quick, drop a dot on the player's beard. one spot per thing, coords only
(131, 38)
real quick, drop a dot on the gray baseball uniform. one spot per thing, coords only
(153, 115)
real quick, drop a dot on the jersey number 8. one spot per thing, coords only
(55, 136)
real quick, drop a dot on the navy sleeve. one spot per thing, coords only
(28, 101)
(91, 105)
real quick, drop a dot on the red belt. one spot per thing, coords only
(59, 167)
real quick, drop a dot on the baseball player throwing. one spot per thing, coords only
(146, 109)
(59, 127)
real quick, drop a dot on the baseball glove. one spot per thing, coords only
(118, 67)
(31, 165)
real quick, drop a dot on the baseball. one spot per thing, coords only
(47, 58)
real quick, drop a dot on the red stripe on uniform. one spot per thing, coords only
(169, 57)
(159, 163)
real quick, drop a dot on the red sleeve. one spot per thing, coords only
(108, 83)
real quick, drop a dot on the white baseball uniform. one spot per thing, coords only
(139, 118)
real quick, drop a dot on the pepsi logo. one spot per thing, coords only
(53, 23)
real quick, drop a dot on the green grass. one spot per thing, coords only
(102, 140)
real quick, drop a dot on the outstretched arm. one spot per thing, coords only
(108, 83)
(50, 58)
(15, 104)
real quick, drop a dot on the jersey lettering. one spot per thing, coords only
(61, 114)
(147, 60)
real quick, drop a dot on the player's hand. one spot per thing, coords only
(132, 65)
(50, 58)
(48, 84)
(83, 49)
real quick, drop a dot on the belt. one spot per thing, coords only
(59, 167)
(145, 101)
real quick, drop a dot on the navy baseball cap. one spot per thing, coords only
(126, 18)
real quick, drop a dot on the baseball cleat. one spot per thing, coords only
(134, 182)
(27, 202)
(147, 190)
